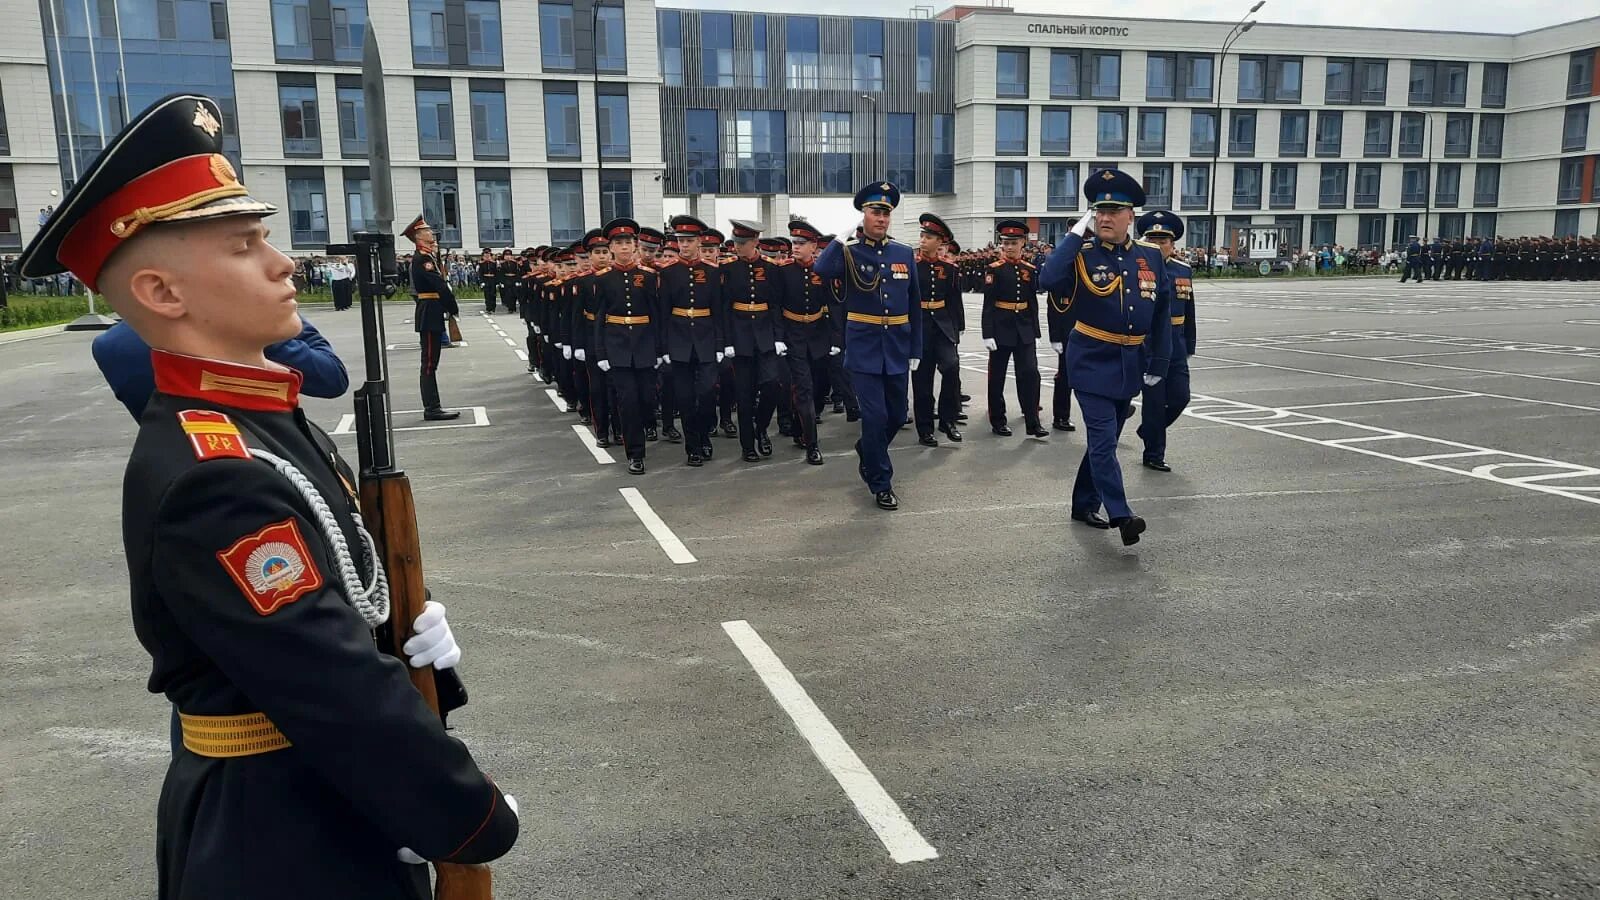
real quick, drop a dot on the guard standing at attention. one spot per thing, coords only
(1011, 329)
(1162, 403)
(1117, 293)
(435, 302)
(942, 321)
(883, 330)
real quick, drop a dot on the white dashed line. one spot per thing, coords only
(669, 542)
(598, 452)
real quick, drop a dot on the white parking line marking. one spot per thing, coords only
(509, 341)
(480, 419)
(1406, 362)
(600, 454)
(658, 529)
(1376, 402)
(522, 355)
(904, 843)
(555, 399)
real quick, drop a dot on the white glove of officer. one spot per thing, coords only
(661, 361)
(582, 354)
(410, 858)
(834, 351)
(432, 643)
(990, 345)
(781, 347)
(1059, 348)
(1152, 380)
(537, 330)
(1085, 225)
(605, 365)
(914, 363)
(566, 352)
(727, 351)
(719, 356)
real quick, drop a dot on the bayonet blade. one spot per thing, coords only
(377, 134)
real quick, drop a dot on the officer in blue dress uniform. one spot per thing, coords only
(1413, 262)
(1117, 293)
(1163, 403)
(882, 331)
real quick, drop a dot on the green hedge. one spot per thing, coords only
(24, 311)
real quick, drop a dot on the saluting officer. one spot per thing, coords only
(628, 344)
(754, 295)
(809, 334)
(1011, 329)
(1162, 403)
(883, 330)
(435, 303)
(1117, 292)
(943, 319)
(695, 323)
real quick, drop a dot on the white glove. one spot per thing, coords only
(432, 643)
(666, 359)
(566, 352)
(727, 351)
(659, 361)
(537, 330)
(990, 345)
(1152, 380)
(781, 347)
(581, 354)
(405, 855)
(605, 365)
(719, 356)
(1085, 225)
(914, 363)
(515, 809)
(834, 351)
(1057, 347)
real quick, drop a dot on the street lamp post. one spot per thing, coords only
(872, 152)
(1238, 31)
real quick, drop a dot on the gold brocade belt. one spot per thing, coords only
(1110, 337)
(226, 737)
(867, 319)
(1014, 307)
(1179, 320)
(750, 307)
(627, 320)
(804, 317)
(933, 304)
(689, 312)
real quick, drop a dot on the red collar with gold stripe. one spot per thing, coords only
(225, 383)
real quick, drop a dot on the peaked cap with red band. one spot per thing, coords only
(166, 166)
(621, 228)
(417, 224)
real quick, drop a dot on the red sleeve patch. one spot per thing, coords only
(213, 435)
(272, 567)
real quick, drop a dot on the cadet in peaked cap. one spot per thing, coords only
(1011, 329)
(1165, 401)
(942, 322)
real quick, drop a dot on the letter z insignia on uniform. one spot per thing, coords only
(213, 435)
(272, 567)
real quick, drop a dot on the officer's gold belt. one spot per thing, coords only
(1014, 307)
(588, 315)
(933, 304)
(867, 319)
(428, 295)
(1179, 320)
(627, 320)
(689, 312)
(805, 317)
(225, 737)
(1100, 334)
(750, 307)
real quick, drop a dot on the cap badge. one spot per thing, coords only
(205, 121)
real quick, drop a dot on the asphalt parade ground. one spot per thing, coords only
(1357, 654)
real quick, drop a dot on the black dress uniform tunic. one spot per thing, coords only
(943, 320)
(694, 320)
(809, 332)
(1011, 320)
(755, 301)
(627, 336)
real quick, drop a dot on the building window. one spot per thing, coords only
(1158, 185)
(1196, 184)
(868, 63)
(1011, 131)
(1247, 186)
(1284, 75)
(1285, 178)
(302, 134)
(308, 209)
(1411, 127)
(1414, 185)
(1322, 231)
(1011, 72)
(428, 44)
(1111, 132)
(1064, 75)
(1569, 181)
(758, 148)
(1252, 78)
(1370, 230)
(1293, 127)
(830, 134)
(1330, 132)
(704, 161)
(1340, 82)
(1160, 76)
(1332, 187)
(566, 206)
(1491, 131)
(349, 29)
(495, 224)
(1106, 70)
(1379, 127)
(1242, 132)
(1420, 92)
(616, 195)
(610, 40)
(1458, 135)
(1010, 186)
(1453, 84)
(1566, 223)
(669, 46)
(1152, 132)
(435, 124)
(758, 51)
(1198, 232)
(352, 120)
(1486, 185)
(1374, 81)
(1061, 186)
(291, 29)
(1369, 183)
(801, 53)
(716, 49)
(10, 218)
(441, 203)
(1447, 189)
(483, 33)
(1055, 132)
(902, 135)
(1202, 132)
(613, 124)
(1195, 74)
(1483, 225)
(1452, 226)
(557, 46)
(1494, 85)
(1575, 127)
(358, 202)
(1580, 74)
(944, 153)
(489, 140)
(561, 134)
(924, 57)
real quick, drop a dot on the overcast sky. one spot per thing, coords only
(1456, 15)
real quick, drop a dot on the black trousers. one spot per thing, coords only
(430, 341)
(1027, 366)
(636, 392)
(694, 390)
(938, 353)
(727, 390)
(664, 397)
(756, 381)
(488, 297)
(1061, 396)
(808, 379)
(599, 394)
(342, 293)
(844, 387)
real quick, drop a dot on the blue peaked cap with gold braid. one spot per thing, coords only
(1112, 189)
(879, 194)
(1160, 223)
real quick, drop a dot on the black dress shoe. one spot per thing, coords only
(752, 456)
(1158, 464)
(730, 430)
(800, 441)
(706, 451)
(961, 418)
(602, 442)
(951, 432)
(1064, 425)
(965, 398)
(1037, 430)
(635, 467)
(650, 435)
(887, 500)
(1093, 519)
(672, 434)
(814, 456)
(441, 415)
(817, 420)
(1131, 527)
(928, 440)
(696, 460)
(586, 420)
(838, 406)
(1002, 429)
(852, 415)
(763, 444)
(572, 407)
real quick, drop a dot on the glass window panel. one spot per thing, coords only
(435, 124)
(902, 135)
(302, 135)
(1566, 223)
(669, 46)
(308, 213)
(1494, 85)
(868, 62)
(611, 40)
(1061, 186)
(716, 49)
(1011, 131)
(495, 224)
(1580, 73)
(1420, 92)
(616, 195)
(758, 51)
(924, 57)
(944, 153)
(829, 134)
(1247, 186)
(566, 207)
(1483, 225)
(1330, 132)
(1375, 81)
(1199, 73)
(1491, 130)
(757, 145)
(428, 47)
(349, 29)
(1011, 73)
(557, 47)
(1411, 127)
(1158, 185)
(1111, 132)
(1160, 76)
(1064, 83)
(358, 204)
(801, 53)
(613, 113)
(1010, 186)
(1331, 188)
(1414, 185)
(1447, 187)
(1322, 230)
(1379, 127)
(704, 159)
(489, 140)
(1454, 86)
(441, 203)
(1292, 128)
(1285, 179)
(1340, 81)
(1286, 74)
(1202, 132)
(1458, 134)
(291, 28)
(1055, 132)
(1569, 180)
(1369, 181)
(1152, 132)
(352, 121)
(1196, 183)
(561, 135)
(1107, 70)
(1486, 185)
(483, 33)
(1252, 78)
(1242, 132)
(1575, 127)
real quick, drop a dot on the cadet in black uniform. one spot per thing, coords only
(754, 295)
(942, 321)
(435, 302)
(628, 344)
(1011, 329)
(584, 313)
(809, 333)
(488, 270)
(308, 761)
(694, 319)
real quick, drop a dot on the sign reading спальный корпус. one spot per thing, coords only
(1079, 29)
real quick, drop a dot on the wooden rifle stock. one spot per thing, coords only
(391, 515)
